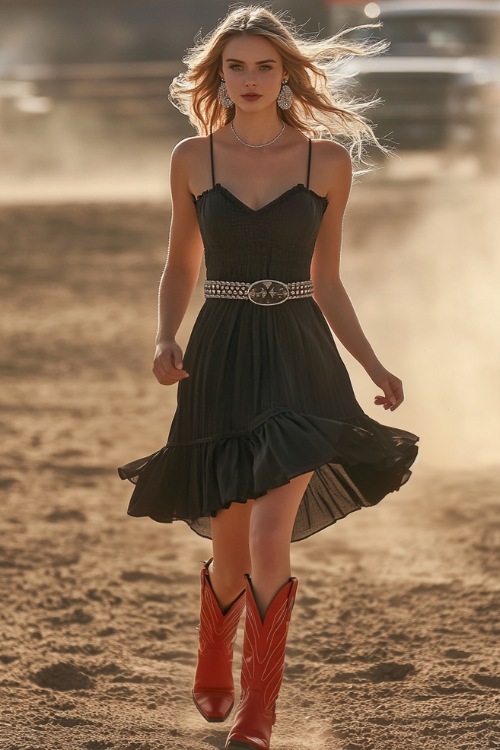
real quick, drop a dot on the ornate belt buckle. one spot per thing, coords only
(268, 292)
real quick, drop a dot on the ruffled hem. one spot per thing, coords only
(356, 462)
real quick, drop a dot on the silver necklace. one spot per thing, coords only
(258, 145)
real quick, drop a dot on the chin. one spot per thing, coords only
(258, 106)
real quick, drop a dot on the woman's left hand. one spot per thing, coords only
(392, 387)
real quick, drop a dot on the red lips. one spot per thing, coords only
(251, 97)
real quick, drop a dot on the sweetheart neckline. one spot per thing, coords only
(266, 205)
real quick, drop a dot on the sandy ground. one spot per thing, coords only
(394, 639)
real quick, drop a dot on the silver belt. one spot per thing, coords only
(262, 292)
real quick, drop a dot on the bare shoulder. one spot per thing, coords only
(189, 149)
(188, 165)
(331, 150)
(332, 154)
(333, 166)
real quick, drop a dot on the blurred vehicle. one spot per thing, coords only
(439, 81)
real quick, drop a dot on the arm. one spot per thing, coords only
(181, 271)
(329, 291)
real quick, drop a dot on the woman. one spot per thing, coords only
(268, 444)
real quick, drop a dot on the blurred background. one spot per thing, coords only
(83, 86)
(105, 606)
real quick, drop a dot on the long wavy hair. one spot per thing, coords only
(322, 106)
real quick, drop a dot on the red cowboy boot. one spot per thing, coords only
(262, 669)
(213, 689)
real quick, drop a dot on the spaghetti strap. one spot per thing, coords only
(212, 159)
(309, 164)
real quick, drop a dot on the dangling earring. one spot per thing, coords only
(285, 97)
(223, 97)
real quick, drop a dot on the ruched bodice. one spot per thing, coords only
(275, 241)
(268, 396)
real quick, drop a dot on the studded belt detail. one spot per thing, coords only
(263, 292)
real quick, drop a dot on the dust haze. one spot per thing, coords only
(78, 153)
(422, 271)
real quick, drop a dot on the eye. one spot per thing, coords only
(235, 66)
(266, 67)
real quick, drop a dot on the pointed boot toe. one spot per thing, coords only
(213, 705)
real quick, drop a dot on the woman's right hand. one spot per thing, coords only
(167, 364)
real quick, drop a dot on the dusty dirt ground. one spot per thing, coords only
(394, 638)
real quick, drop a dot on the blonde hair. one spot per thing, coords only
(321, 106)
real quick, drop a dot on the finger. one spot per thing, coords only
(397, 389)
(175, 374)
(393, 395)
(159, 369)
(176, 358)
(389, 394)
(167, 367)
(382, 401)
(168, 376)
(388, 400)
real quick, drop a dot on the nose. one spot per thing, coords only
(250, 83)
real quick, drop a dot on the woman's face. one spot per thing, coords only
(253, 71)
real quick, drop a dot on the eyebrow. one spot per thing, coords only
(260, 62)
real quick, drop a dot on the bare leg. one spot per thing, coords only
(271, 526)
(230, 532)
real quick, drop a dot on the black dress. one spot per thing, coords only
(268, 397)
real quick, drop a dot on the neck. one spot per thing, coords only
(258, 127)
